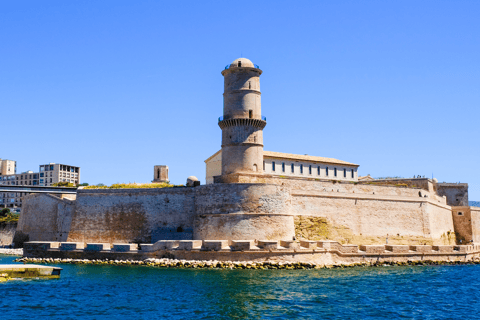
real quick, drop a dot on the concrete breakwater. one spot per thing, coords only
(12, 252)
(316, 253)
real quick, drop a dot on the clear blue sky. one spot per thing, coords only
(116, 87)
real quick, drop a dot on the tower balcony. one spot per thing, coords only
(230, 122)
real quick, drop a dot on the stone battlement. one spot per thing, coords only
(237, 250)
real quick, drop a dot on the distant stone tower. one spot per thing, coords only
(160, 173)
(242, 122)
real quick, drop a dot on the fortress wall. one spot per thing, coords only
(243, 212)
(356, 218)
(44, 218)
(133, 215)
(309, 184)
(467, 223)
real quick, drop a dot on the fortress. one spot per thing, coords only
(255, 199)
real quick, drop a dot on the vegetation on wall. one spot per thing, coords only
(133, 186)
(64, 184)
(7, 216)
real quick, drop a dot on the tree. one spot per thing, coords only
(4, 212)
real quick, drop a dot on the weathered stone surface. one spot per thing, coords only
(306, 244)
(372, 248)
(97, 246)
(397, 248)
(189, 245)
(268, 244)
(215, 245)
(67, 246)
(124, 247)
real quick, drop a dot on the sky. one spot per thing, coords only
(117, 87)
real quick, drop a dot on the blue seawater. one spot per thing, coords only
(136, 292)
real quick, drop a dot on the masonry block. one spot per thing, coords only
(268, 244)
(421, 248)
(124, 247)
(189, 245)
(397, 248)
(462, 249)
(445, 249)
(146, 247)
(289, 244)
(40, 245)
(373, 248)
(243, 245)
(307, 244)
(215, 245)
(329, 245)
(349, 248)
(68, 246)
(97, 246)
(166, 245)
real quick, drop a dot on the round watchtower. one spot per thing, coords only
(242, 122)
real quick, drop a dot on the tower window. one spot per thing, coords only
(250, 114)
(239, 63)
(293, 168)
(353, 173)
(310, 169)
(344, 173)
(263, 165)
(283, 166)
(158, 174)
(318, 170)
(301, 169)
(335, 172)
(273, 165)
(326, 171)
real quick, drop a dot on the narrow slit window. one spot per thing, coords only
(310, 169)
(326, 171)
(335, 172)
(293, 168)
(318, 170)
(301, 169)
(283, 166)
(263, 165)
(273, 165)
(344, 173)
(353, 173)
(250, 114)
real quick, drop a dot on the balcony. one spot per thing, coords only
(223, 118)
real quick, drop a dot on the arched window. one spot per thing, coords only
(254, 168)
(158, 173)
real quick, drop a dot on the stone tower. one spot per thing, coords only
(160, 174)
(242, 122)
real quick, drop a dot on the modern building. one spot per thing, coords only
(8, 167)
(48, 175)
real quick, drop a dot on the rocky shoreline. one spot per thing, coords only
(202, 264)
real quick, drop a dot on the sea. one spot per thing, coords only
(140, 292)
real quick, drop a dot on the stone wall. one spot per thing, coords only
(133, 215)
(7, 232)
(44, 217)
(456, 193)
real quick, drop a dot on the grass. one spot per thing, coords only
(134, 186)
(10, 217)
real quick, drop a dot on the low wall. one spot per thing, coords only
(323, 253)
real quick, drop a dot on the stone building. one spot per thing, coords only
(160, 174)
(293, 165)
